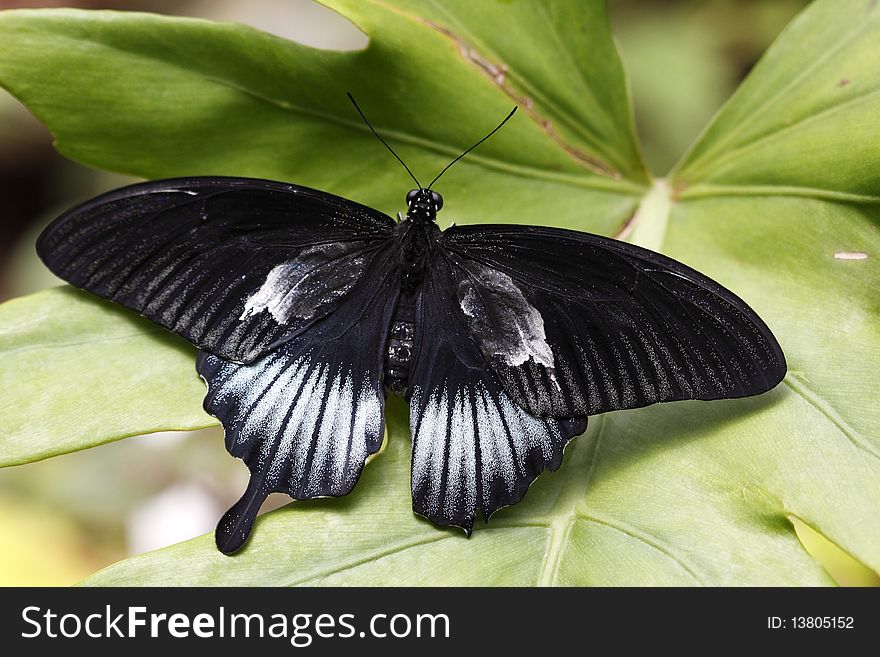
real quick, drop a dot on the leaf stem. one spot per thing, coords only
(647, 228)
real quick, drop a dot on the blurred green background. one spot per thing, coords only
(66, 517)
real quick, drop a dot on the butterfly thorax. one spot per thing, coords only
(416, 240)
(418, 234)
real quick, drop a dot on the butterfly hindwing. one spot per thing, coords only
(474, 448)
(307, 415)
(577, 324)
(205, 257)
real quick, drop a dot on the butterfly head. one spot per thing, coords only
(422, 205)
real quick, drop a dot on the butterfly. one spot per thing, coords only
(307, 308)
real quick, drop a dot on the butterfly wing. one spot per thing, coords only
(234, 265)
(474, 448)
(307, 415)
(577, 324)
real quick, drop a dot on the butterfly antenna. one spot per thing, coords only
(497, 128)
(370, 126)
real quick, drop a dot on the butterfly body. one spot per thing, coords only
(307, 307)
(416, 238)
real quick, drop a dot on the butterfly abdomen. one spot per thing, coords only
(397, 357)
(399, 350)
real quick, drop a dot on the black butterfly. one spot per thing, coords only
(308, 306)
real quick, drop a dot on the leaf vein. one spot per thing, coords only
(644, 538)
(755, 144)
(81, 343)
(395, 548)
(824, 407)
(704, 190)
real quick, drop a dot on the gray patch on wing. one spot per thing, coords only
(500, 318)
(304, 286)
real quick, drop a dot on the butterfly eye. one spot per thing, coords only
(438, 200)
(411, 195)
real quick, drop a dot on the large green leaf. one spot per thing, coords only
(77, 372)
(688, 493)
(780, 199)
(178, 97)
(806, 121)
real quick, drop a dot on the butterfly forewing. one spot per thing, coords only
(577, 324)
(234, 265)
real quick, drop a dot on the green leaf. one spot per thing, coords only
(79, 372)
(686, 493)
(822, 458)
(556, 60)
(780, 200)
(806, 121)
(155, 96)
